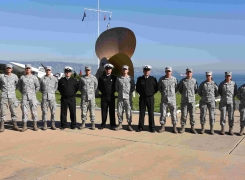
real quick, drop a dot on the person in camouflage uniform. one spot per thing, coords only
(28, 86)
(188, 87)
(168, 86)
(88, 85)
(125, 86)
(241, 97)
(227, 91)
(208, 90)
(48, 86)
(8, 85)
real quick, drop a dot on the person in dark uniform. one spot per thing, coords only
(146, 86)
(106, 86)
(68, 86)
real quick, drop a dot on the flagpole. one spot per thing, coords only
(98, 10)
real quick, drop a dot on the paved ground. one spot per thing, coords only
(106, 154)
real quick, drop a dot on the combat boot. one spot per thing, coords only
(119, 127)
(24, 128)
(15, 126)
(2, 126)
(162, 128)
(222, 130)
(174, 129)
(193, 130)
(241, 131)
(203, 130)
(82, 126)
(45, 127)
(93, 126)
(129, 127)
(35, 126)
(53, 125)
(230, 131)
(182, 129)
(212, 129)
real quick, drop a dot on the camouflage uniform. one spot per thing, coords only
(227, 92)
(188, 88)
(208, 91)
(241, 97)
(125, 86)
(48, 86)
(28, 86)
(8, 85)
(168, 88)
(88, 86)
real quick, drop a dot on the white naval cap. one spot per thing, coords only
(147, 67)
(168, 68)
(27, 66)
(8, 66)
(68, 68)
(108, 66)
(209, 73)
(87, 68)
(228, 73)
(48, 67)
(125, 67)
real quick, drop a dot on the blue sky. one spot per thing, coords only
(170, 32)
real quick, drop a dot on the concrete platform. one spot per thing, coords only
(108, 154)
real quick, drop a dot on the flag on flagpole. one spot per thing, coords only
(80, 73)
(108, 25)
(84, 15)
(110, 17)
(105, 17)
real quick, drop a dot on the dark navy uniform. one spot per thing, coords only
(146, 87)
(68, 89)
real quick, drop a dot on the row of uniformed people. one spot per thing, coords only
(108, 84)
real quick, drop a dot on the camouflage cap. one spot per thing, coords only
(228, 73)
(48, 67)
(27, 66)
(168, 68)
(125, 67)
(108, 66)
(87, 68)
(209, 73)
(189, 70)
(8, 66)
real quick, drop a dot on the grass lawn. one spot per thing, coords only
(135, 100)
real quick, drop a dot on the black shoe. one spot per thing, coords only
(62, 128)
(139, 130)
(152, 131)
(73, 128)
(102, 126)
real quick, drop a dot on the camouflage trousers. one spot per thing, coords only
(185, 109)
(224, 107)
(242, 114)
(173, 111)
(88, 105)
(6, 103)
(204, 106)
(25, 105)
(51, 104)
(121, 105)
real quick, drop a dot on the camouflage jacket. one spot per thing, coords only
(227, 91)
(8, 85)
(188, 88)
(88, 86)
(125, 86)
(168, 88)
(208, 91)
(28, 86)
(48, 86)
(241, 94)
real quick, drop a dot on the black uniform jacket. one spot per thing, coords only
(146, 87)
(106, 86)
(68, 88)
